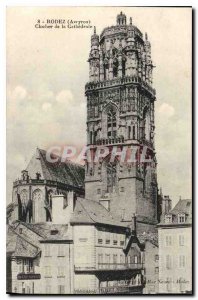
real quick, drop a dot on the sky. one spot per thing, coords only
(47, 70)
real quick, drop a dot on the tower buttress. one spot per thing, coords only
(120, 113)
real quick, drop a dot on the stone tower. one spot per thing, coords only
(120, 113)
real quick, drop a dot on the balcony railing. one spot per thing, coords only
(120, 266)
(108, 267)
(109, 141)
(119, 81)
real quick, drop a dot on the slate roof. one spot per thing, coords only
(68, 173)
(17, 246)
(92, 212)
(183, 206)
(49, 231)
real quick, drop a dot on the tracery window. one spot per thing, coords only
(111, 176)
(24, 198)
(111, 124)
(146, 124)
(38, 207)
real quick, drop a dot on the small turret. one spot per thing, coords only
(94, 57)
(121, 19)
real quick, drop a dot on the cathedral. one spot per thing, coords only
(105, 212)
(120, 112)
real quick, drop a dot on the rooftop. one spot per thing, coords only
(92, 212)
(67, 173)
(18, 246)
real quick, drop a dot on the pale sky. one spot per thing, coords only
(47, 70)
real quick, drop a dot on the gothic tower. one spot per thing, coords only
(120, 112)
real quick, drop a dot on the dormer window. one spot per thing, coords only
(168, 218)
(181, 218)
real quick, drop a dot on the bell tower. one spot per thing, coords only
(120, 115)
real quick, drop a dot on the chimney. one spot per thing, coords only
(62, 208)
(133, 229)
(166, 205)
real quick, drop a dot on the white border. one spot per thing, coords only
(3, 5)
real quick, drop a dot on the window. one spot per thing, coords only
(39, 212)
(182, 285)
(146, 124)
(181, 240)
(100, 237)
(26, 266)
(122, 260)
(48, 289)
(47, 271)
(47, 250)
(98, 191)
(156, 257)
(123, 68)
(168, 240)
(111, 124)
(168, 262)
(61, 271)
(129, 132)
(122, 189)
(133, 132)
(61, 289)
(111, 176)
(115, 239)
(100, 258)
(122, 239)
(107, 238)
(115, 68)
(107, 258)
(115, 258)
(169, 284)
(61, 250)
(135, 259)
(168, 218)
(156, 270)
(181, 218)
(182, 261)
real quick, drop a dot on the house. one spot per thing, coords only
(175, 249)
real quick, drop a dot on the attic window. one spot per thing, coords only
(20, 230)
(181, 218)
(54, 232)
(168, 218)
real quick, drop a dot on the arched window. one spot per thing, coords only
(90, 137)
(129, 132)
(111, 124)
(24, 198)
(111, 176)
(38, 207)
(123, 67)
(133, 132)
(106, 71)
(146, 124)
(115, 68)
(24, 206)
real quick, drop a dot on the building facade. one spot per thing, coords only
(175, 249)
(120, 112)
(91, 253)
